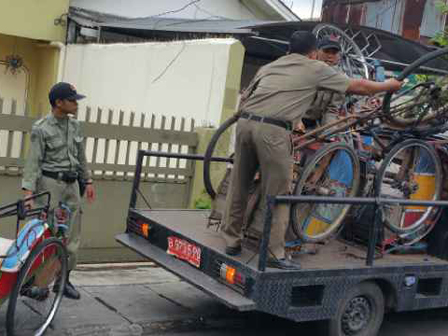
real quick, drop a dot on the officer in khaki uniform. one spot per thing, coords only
(55, 163)
(278, 97)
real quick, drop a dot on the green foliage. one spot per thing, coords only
(203, 202)
(442, 7)
(441, 38)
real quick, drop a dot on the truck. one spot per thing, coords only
(350, 293)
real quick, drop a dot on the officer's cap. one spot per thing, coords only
(329, 42)
(62, 91)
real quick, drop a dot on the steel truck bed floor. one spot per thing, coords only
(192, 224)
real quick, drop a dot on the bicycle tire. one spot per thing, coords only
(406, 72)
(297, 228)
(209, 154)
(21, 279)
(437, 183)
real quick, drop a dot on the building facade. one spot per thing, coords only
(418, 20)
(31, 45)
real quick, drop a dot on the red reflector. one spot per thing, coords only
(231, 275)
(145, 230)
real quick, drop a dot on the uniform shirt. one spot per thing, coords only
(326, 102)
(57, 145)
(323, 103)
(287, 87)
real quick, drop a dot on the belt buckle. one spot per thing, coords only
(60, 176)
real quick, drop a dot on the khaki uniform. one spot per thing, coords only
(284, 90)
(57, 145)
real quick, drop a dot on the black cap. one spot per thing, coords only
(63, 90)
(329, 42)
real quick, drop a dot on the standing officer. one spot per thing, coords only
(55, 163)
(281, 93)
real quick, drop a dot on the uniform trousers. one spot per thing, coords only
(268, 148)
(68, 194)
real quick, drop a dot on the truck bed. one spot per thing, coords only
(336, 254)
(410, 281)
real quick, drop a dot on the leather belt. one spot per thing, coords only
(280, 123)
(67, 177)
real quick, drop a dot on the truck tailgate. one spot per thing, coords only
(195, 277)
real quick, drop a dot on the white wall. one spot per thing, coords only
(232, 9)
(181, 79)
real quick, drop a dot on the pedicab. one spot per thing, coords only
(33, 266)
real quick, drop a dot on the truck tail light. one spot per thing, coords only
(231, 275)
(139, 227)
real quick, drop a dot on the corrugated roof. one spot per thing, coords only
(94, 19)
(394, 47)
(185, 25)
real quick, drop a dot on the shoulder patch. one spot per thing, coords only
(39, 122)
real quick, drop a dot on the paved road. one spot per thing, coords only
(146, 300)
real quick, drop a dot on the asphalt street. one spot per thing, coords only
(138, 300)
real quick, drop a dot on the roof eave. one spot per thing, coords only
(283, 10)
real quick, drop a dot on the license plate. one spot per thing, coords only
(184, 250)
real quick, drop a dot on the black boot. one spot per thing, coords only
(70, 290)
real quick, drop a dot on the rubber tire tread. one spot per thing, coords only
(22, 274)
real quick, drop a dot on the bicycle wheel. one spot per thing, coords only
(334, 170)
(423, 98)
(37, 294)
(209, 154)
(412, 170)
(353, 62)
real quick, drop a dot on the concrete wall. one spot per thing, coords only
(103, 219)
(182, 79)
(33, 19)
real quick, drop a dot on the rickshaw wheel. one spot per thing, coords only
(412, 170)
(316, 222)
(38, 292)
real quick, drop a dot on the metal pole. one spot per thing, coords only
(373, 234)
(137, 177)
(356, 200)
(312, 9)
(270, 203)
(197, 157)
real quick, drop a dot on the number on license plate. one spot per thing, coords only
(184, 250)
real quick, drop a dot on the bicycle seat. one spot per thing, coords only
(16, 254)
